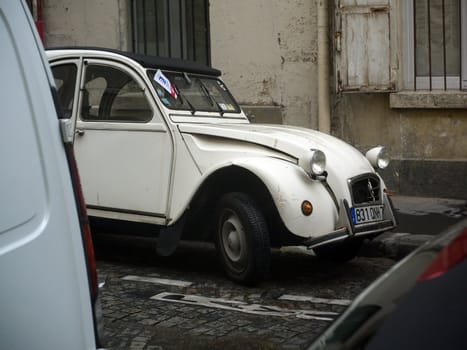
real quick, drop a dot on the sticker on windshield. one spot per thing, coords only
(227, 106)
(222, 86)
(162, 80)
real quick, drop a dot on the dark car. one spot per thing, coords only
(421, 303)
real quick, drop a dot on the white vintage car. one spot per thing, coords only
(163, 142)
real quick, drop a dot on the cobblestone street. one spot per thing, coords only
(185, 302)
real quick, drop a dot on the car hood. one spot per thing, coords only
(343, 160)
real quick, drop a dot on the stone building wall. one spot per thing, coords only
(267, 51)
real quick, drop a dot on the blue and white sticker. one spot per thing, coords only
(162, 80)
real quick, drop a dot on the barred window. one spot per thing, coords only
(436, 44)
(169, 28)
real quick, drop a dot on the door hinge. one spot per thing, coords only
(66, 129)
(338, 37)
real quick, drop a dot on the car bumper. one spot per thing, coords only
(347, 229)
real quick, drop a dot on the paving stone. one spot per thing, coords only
(240, 322)
(140, 339)
(133, 321)
(148, 322)
(136, 345)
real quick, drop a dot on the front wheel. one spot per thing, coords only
(242, 238)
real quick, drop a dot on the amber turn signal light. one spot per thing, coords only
(307, 208)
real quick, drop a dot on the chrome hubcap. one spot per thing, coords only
(233, 238)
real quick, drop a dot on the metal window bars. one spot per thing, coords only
(171, 28)
(433, 26)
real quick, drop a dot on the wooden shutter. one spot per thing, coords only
(364, 61)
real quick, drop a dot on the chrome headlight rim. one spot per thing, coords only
(317, 162)
(378, 157)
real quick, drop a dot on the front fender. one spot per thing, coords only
(289, 186)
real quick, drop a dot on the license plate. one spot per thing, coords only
(362, 215)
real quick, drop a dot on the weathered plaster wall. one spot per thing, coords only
(429, 146)
(364, 120)
(434, 134)
(267, 50)
(86, 22)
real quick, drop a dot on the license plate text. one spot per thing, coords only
(362, 215)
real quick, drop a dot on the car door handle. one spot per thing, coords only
(80, 132)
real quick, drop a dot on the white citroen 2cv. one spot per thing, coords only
(163, 142)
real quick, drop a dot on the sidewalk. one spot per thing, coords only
(419, 219)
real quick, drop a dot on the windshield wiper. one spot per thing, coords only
(213, 101)
(184, 99)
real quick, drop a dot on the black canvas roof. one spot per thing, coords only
(175, 64)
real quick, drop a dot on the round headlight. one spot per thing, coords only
(317, 162)
(378, 157)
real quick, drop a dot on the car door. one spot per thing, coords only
(122, 145)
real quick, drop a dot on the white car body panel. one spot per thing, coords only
(139, 182)
(272, 168)
(205, 118)
(295, 141)
(289, 195)
(185, 179)
(45, 300)
(131, 178)
(244, 144)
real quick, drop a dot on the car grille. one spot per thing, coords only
(365, 189)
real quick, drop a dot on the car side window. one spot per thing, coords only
(65, 81)
(111, 94)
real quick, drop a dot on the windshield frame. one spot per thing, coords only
(221, 102)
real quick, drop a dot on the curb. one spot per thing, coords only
(394, 245)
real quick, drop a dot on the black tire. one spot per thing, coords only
(343, 252)
(242, 239)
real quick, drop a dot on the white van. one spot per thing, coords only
(48, 280)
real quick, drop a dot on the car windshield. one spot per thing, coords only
(192, 92)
